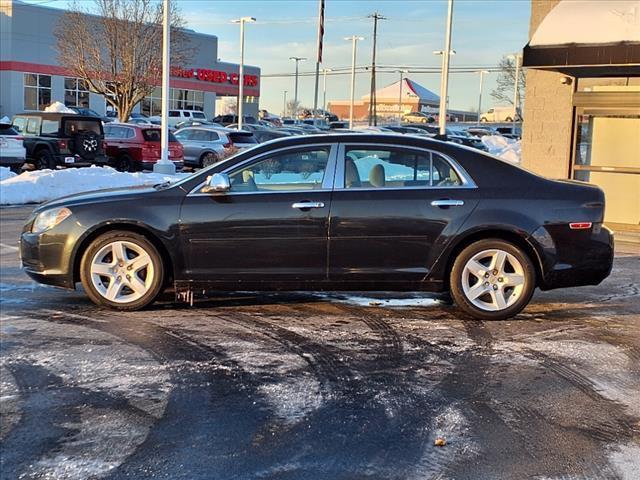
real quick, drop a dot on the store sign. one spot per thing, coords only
(214, 76)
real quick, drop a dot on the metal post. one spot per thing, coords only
(354, 39)
(515, 94)
(295, 91)
(240, 104)
(163, 165)
(400, 98)
(284, 105)
(482, 72)
(324, 89)
(319, 46)
(444, 80)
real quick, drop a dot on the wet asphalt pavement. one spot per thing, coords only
(304, 386)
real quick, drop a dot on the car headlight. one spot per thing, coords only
(49, 218)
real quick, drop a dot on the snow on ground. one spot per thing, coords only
(503, 147)
(59, 107)
(44, 185)
(5, 172)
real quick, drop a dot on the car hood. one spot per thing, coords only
(104, 195)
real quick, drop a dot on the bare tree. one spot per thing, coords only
(116, 48)
(230, 106)
(293, 108)
(505, 83)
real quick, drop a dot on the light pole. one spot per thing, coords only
(295, 91)
(240, 107)
(284, 105)
(354, 40)
(402, 72)
(481, 72)
(163, 165)
(324, 88)
(517, 58)
(444, 78)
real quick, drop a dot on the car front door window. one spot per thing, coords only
(299, 170)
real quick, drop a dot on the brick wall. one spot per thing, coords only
(546, 135)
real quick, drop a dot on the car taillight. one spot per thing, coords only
(62, 144)
(580, 225)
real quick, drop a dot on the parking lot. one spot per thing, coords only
(318, 386)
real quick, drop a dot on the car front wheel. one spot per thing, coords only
(492, 280)
(122, 270)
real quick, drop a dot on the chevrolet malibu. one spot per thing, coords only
(330, 212)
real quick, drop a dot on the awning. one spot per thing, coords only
(588, 38)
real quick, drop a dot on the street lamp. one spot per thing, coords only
(284, 104)
(517, 58)
(481, 72)
(354, 40)
(240, 107)
(324, 88)
(295, 92)
(402, 72)
(164, 165)
(444, 77)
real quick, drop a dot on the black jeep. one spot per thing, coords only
(61, 139)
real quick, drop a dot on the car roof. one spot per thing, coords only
(57, 115)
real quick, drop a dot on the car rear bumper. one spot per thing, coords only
(148, 164)
(71, 160)
(574, 258)
(9, 161)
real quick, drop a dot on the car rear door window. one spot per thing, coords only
(284, 172)
(200, 136)
(32, 126)
(374, 168)
(50, 127)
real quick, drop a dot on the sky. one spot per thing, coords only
(483, 31)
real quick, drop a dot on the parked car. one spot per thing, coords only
(464, 138)
(179, 116)
(227, 119)
(197, 123)
(133, 147)
(417, 117)
(203, 146)
(88, 112)
(240, 139)
(410, 130)
(293, 130)
(61, 139)
(500, 114)
(12, 151)
(262, 133)
(510, 132)
(333, 212)
(481, 131)
(320, 123)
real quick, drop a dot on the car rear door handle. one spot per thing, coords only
(307, 205)
(447, 203)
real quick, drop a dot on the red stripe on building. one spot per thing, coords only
(26, 67)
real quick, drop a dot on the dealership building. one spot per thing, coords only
(582, 115)
(31, 76)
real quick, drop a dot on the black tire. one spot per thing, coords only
(124, 163)
(156, 284)
(208, 159)
(508, 119)
(483, 120)
(457, 272)
(16, 169)
(44, 160)
(86, 144)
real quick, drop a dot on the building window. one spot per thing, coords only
(76, 93)
(37, 91)
(179, 99)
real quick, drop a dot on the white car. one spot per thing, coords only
(179, 116)
(12, 151)
(500, 114)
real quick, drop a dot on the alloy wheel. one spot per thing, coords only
(122, 272)
(493, 280)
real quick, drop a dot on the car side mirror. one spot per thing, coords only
(217, 183)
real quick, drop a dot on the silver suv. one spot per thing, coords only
(202, 146)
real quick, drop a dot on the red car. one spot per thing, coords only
(137, 147)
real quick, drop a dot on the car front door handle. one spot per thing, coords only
(447, 203)
(307, 205)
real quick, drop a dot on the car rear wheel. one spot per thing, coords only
(508, 119)
(122, 270)
(44, 160)
(124, 163)
(492, 280)
(209, 159)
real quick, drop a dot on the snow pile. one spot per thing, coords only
(503, 147)
(44, 185)
(5, 120)
(5, 172)
(58, 107)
